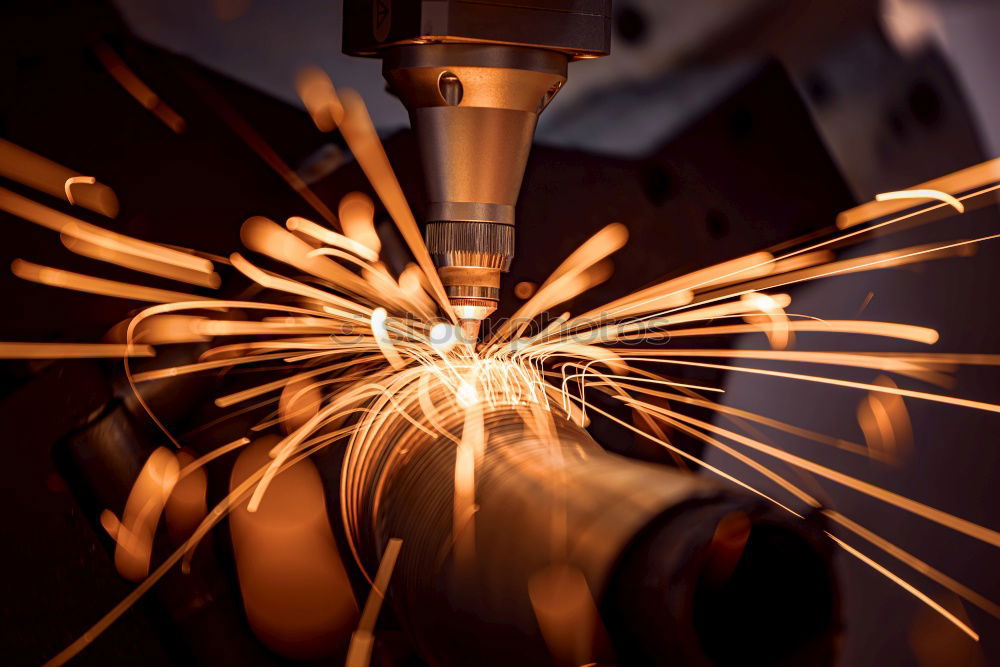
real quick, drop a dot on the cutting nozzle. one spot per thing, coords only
(473, 108)
(474, 76)
(470, 257)
(471, 313)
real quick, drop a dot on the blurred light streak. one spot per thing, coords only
(331, 238)
(146, 501)
(187, 505)
(34, 212)
(864, 304)
(886, 424)
(136, 88)
(83, 283)
(566, 612)
(268, 238)
(317, 93)
(778, 330)
(922, 194)
(102, 253)
(258, 145)
(357, 217)
(369, 349)
(363, 141)
(976, 176)
(906, 586)
(9, 350)
(359, 653)
(30, 169)
(295, 590)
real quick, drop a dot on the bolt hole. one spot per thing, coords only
(450, 88)
(741, 124)
(716, 224)
(657, 184)
(925, 104)
(819, 90)
(631, 25)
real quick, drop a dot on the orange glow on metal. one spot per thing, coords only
(363, 347)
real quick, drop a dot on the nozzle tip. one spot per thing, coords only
(471, 313)
(470, 329)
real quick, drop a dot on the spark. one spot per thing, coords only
(467, 394)
(907, 587)
(44, 216)
(79, 282)
(361, 137)
(381, 333)
(922, 194)
(374, 362)
(331, 238)
(864, 304)
(135, 86)
(28, 168)
(72, 350)
(146, 501)
(359, 653)
(316, 91)
(258, 145)
(76, 180)
(964, 180)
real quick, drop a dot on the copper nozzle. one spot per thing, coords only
(473, 108)
(471, 313)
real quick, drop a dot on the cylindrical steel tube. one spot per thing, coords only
(656, 547)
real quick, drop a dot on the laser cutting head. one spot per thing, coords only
(474, 78)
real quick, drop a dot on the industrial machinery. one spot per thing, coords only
(580, 556)
(474, 78)
(679, 570)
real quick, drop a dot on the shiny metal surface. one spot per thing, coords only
(474, 76)
(474, 108)
(471, 244)
(554, 496)
(581, 28)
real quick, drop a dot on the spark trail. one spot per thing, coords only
(357, 347)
